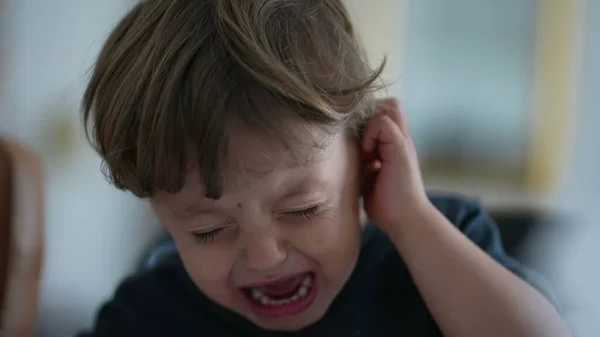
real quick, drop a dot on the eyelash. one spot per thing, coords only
(209, 237)
(304, 213)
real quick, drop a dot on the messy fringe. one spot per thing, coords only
(175, 78)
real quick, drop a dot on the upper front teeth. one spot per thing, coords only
(256, 294)
(307, 282)
(302, 291)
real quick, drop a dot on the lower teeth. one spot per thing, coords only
(300, 293)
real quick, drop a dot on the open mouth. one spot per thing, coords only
(283, 297)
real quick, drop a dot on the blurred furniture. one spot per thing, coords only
(488, 98)
(160, 250)
(520, 229)
(21, 238)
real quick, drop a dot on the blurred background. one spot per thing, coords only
(503, 102)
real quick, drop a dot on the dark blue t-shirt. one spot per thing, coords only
(379, 299)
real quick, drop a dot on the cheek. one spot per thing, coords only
(329, 238)
(208, 266)
(334, 246)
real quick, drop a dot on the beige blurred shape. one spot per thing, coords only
(61, 137)
(21, 238)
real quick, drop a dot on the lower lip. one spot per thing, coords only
(289, 309)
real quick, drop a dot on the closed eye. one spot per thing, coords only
(207, 237)
(304, 213)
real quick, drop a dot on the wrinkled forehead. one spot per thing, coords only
(253, 155)
(267, 168)
(256, 152)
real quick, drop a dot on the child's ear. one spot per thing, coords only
(369, 169)
(362, 170)
(367, 164)
(362, 214)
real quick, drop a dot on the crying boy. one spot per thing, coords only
(251, 128)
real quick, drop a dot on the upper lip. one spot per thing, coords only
(272, 279)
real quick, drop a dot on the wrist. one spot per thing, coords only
(412, 220)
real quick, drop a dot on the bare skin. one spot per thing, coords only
(478, 296)
(279, 217)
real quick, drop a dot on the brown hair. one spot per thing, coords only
(175, 76)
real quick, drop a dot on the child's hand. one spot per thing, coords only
(393, 188)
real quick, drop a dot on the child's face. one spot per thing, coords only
(284, 237)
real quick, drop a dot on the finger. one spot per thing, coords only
(391, 107)
(383, 137)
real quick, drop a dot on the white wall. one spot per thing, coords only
(573, 253)
(584, 179)
(468, 78)
(95, 234)
(382, 30)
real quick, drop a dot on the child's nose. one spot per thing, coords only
(263, 252)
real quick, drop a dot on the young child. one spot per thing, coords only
(251, 128)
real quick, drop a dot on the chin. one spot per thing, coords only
(294, 324)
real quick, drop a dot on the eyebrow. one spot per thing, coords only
(304, 186)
